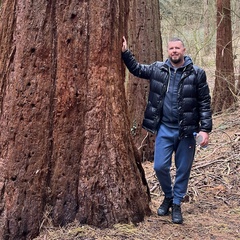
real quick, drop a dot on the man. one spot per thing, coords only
(178, 106)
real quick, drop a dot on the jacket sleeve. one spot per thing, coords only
(137, 69)
(204, 102)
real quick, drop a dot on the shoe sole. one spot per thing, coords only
(177, 222)
(167, 214)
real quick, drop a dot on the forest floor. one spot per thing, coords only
(211, 209)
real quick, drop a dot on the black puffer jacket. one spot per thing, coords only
(194, 113)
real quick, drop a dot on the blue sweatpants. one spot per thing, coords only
(168, 145)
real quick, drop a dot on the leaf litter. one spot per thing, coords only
(211, 208)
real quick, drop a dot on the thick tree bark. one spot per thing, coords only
(224, 88)
(144, 37)
(65, 139)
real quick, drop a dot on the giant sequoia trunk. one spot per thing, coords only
(224, 88)
(144, 38)
(65, 135)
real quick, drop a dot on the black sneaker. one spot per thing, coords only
(177, 214)
(164, 207)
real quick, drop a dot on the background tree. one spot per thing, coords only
(144, 40)
(65, 141)
(198, 29)
(224, 89)
(235, 6)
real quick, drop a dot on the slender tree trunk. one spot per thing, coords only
(207, 23)
(144, 37)
(224, 89)
(236, 35)
(65, 142)
(238, 81)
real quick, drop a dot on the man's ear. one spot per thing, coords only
(184, 50)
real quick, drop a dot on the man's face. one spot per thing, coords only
(176, 52)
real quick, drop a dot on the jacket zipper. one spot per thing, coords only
(169, 71)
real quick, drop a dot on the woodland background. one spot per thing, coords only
(74, 160)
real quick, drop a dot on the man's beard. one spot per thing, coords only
(176, 61)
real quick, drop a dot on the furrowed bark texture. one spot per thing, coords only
(145, 41)
(224, 88)
(65, 142)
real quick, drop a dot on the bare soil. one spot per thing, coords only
(211, 210)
